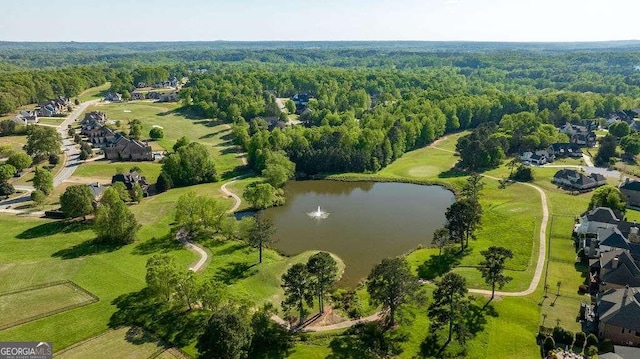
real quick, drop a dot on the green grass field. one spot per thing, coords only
(175, 125)
(54, 121)
(94, 92)
(131, 343)
(26, 305)
(103, 170)
(15, 142)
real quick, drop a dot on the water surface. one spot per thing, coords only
(367, 221)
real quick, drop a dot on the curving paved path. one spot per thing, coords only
(204, 256)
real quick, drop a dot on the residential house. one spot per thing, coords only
(581, 135)
(130, 179)
(558, 150)
(53, 107)
(174, 82)
(99, 136)
(153, 95)
(122, 148)
(141, 85)
(631, 192)
(137, 95)
(94, 117)
(26, 118)
(614, 269)
(168, 97)
(575, 180)
(618, 311)
(113, 97)
(536, 158)
(301, 100)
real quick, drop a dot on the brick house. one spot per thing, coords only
(618, 311)
(123, 148)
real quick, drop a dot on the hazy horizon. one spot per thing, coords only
(332, 20)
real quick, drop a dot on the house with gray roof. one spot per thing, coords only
(564, 150)
(631, 192)
(618, 311)
(26, 118)
(614, 269)
(574, 180)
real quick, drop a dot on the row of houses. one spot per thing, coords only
(548, 155)
(170, 96)
(114, 145)
(581, 134)
(53, 107)
(171, 82)
(613, 246)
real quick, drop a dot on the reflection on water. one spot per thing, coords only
(368, 222)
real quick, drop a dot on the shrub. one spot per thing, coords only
(579, 339)
(606, 346)
(592, 340)
(163, 183)
(156, 133)
(592, 351)
(549, 344)
(582, 289)
(6, 188)
(523, 174)
(54, 159)
(38, 197)
(561, 335)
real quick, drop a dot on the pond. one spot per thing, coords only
(366, 221)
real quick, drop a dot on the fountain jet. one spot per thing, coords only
(318, 214)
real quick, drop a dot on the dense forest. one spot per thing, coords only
(370, 102)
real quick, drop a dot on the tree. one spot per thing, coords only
(263, 195)
(114, 222)
(181, 142)
(164, 182)
(135, 129)
(19, 160)
(126, 95)
(211, 294)
(261, 233)
(42, 141)
(187, 287)
(137, 193)
(324, 269)
(298, 289)
(449, 307)
(278, 169)
(191, 164)
(441, 237)
(472, 188)
(463, 218)
(630, 144)
(38, 197)
(161, 275)
(523, 174)
(6, 172)
(291, 106)
(608, 196)
(83, 155)
(606, 150)
(391, 284)
(8, 127)
(227, 335)
(492, 268)
(270, 339)
(200, 215)
(619, 129)
(77, 201)
(122, 190)
(6, 188)
(43, 180)
(156, 133)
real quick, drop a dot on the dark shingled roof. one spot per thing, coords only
(603, 215)
(631, 186)
(621, 307)
(615, 240)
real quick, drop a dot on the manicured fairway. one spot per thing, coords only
(129, 343)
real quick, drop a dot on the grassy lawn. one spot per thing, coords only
(103, 170)
(55, 121)
(15, 142)
(175, 125)
(129, 343)
(27, 305)
(94, 92)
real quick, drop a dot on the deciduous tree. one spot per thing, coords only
(77, 201)
(200, 215)
(19, 160)
(227, 335)
(608, 196)
(161, 275)
(114, 222)
(42, 141)
(43, 180)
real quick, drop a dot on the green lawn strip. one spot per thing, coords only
(94, 92)
(56, 121)
(104, 170)
(119, 343)
(29, 304)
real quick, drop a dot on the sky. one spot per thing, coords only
(318, 20)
